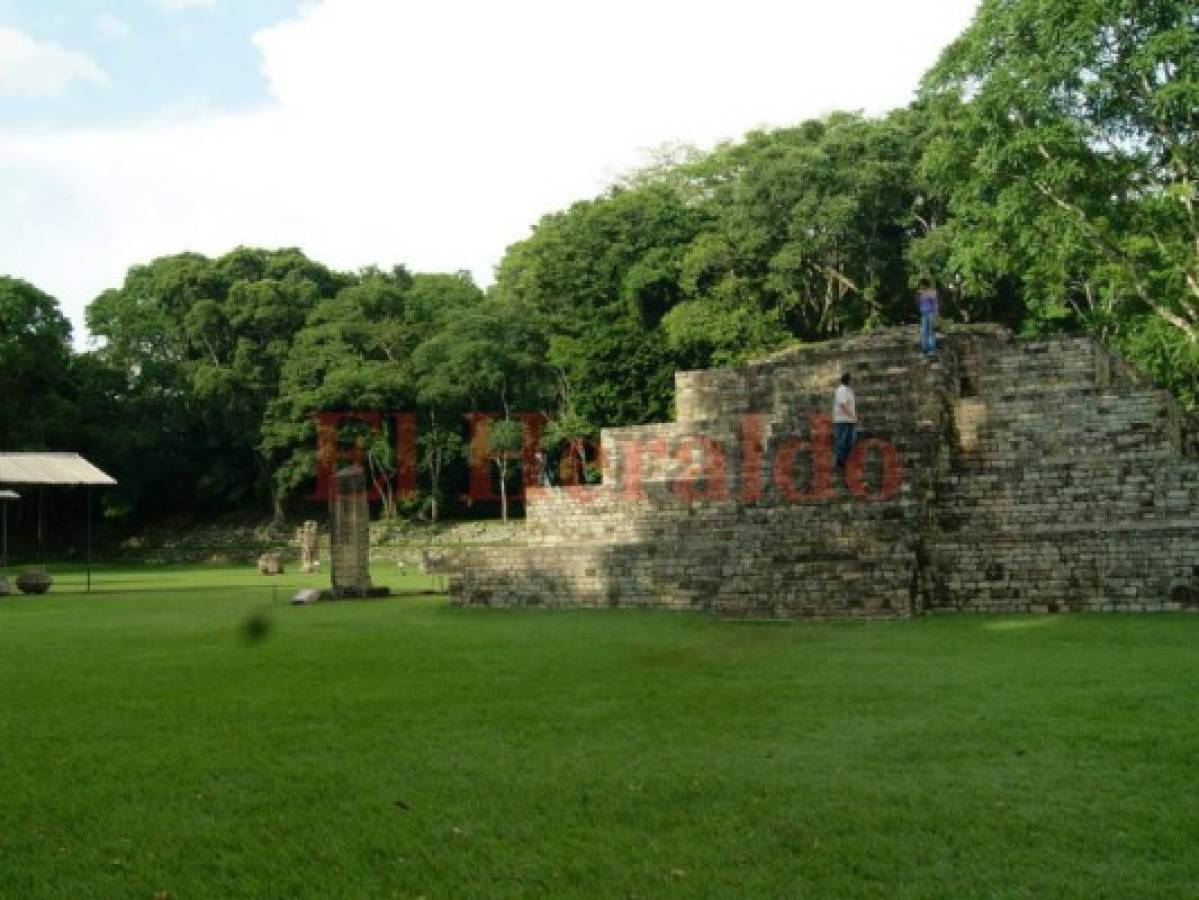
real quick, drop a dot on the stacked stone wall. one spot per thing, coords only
(349, 535)
(1068, 489)
(1005, 475)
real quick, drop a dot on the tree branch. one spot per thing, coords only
(1116, 255)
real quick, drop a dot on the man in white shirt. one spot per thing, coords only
(845, 422)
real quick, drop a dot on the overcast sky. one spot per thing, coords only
(431, 133)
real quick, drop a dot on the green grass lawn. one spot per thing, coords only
(401, 748)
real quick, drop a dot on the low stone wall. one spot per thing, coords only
(1005, 475)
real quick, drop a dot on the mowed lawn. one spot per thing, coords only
(402, 748)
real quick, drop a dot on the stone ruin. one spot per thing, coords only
(308, 537)
(349, 536)
(1006, 475)
(270, 563)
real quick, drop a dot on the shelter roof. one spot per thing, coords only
(50, 468)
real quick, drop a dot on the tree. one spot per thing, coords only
(35, 369)
(437, 446)
(1076, 160)
(703, 332)
(507, 440)
(598, 278)
(566, 437)
(810, 227)
(355, 352)
(203, 341)
(493, 354)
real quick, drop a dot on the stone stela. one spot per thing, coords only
(1006, 475)
(349, 537)
(308, 537)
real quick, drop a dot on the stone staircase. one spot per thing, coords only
(1004, 475)
(1067, 487)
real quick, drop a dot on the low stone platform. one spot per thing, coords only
(1004, 475)
(309, 596)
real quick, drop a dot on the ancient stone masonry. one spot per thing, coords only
(1005, 475)
(349, 537)
(308, 537)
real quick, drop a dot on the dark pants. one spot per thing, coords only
(843, 440)
(928, 337)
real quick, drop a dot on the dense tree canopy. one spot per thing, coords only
(35, 363)
(1068, 151)
(355, 353)
(202, 343)
(1045, 178)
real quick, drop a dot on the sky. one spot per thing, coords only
(374, 132)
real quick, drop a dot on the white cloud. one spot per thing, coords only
(435, 134)
(33, 69)
(183, 5)
(112, 27)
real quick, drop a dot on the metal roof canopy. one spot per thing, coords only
(54, 470)
(50, 469)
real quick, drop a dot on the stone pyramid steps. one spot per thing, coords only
(1033, 475)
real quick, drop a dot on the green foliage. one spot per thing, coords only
(566, 428)
(1068, 155)
(809, 225)
(202, 343)
(506, 442)
(598, 278)
(1045, 179)
(492, 355)
(707, 259)
(36, 408)
(507, 436)
(356, 352)
(438, 447)
(702, 332)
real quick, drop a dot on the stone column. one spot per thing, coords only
(308, 538)
(349, 534)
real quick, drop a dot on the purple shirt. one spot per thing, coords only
(927, 300)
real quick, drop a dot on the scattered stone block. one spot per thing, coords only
(271, 563)
(34, 581)
(308, 537)
(307, 596)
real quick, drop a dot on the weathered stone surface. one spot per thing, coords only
(1007, 475)
(34, 581)
(270, 563)
(307, 596)
(308, 537)
(349, 537)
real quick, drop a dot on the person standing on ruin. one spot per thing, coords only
(845, 422)
(927, 301)
(544, 479)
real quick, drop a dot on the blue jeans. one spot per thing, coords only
(843, 441)
(928, 337)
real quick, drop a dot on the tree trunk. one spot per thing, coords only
(265, 475)
(503, 490)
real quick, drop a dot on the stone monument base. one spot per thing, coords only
(308, 596)
(356, 593)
